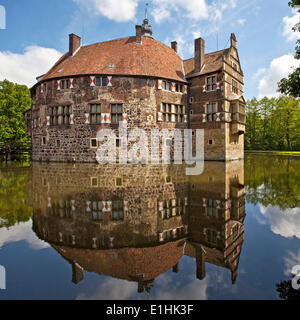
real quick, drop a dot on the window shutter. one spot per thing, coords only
(185, 89)
(111, 240)
(185, 118)
(49, 203)
(203, 117)
(71, 119)
(48, 121)
(204, 202)
(218, 85)
(87, 119)
(218, 116)
(204, 88)
(173, 89)
(71, 83)
(42, 89)
(73, 205)
(159, 84)
(109, 81)
(161, 237)
(92, 81)
(160, 206)
(125, 118)
(159, 117)
(105, 118)
(126, 207)
(58, 85)
(88, 206)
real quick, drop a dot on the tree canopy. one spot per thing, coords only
(273, 124)
(14, 101)
(291, 85)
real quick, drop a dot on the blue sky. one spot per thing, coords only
(36, 32)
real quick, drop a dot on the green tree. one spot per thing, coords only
(14, 101)
(291, 85)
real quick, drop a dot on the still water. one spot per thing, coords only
(150, 232)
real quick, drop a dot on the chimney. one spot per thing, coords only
(138, 34)
(233, 41)
(74, 43)
(199, 54)
(174, 46)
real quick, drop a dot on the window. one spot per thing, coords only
(65, 84)
(97, 211)
(211, 83)
(101, 81)
(94, 143)
(118, 182)
(234, 66)
(172, 113)
(118, 212)
(118, 143)
(168, 86)
(60, 115)
(58, 143)
(212, 236)
(172, 208)
(235, 87)
(191, 112)
(211, 110)
(94, 182)
(44, 141)
(165, 85)
(191, 99)
(210, 142)
(95, 112)
(168, 179)
(116, 113)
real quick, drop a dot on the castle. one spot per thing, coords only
(137, 222)
(142, 83)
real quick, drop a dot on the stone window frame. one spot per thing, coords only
(44, 142)
(210, 111)
(94, 185)
(91, 143)
(212, 84)
(234, 86)
(117, 212)
(101, 81)
(169, 114)
(172, 208)
(65, 84)
(118, 114)
(97, 114)
(55, 116)
(167, 86)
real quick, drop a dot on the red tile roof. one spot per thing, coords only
(127, 263)
(151, 58)
(213, 62)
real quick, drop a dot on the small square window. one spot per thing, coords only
(210, 142)
(94, 143)
(94, 182)
(118, 182)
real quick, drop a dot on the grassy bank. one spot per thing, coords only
(276, 153)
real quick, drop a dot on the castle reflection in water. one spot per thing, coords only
(137, 222)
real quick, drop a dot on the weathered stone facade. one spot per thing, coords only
(156, 88)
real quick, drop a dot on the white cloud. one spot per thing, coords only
(288, 24)
(119, 11)
(241, 21)
(285, 223)
(292, 260)
(22, 232)
(24, 68)
(279, 68)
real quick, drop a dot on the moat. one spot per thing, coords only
(85, 231)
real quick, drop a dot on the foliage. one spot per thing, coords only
(14, 101)
(273, 180)
(273, 124)
(13, 195)
(291, 85)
